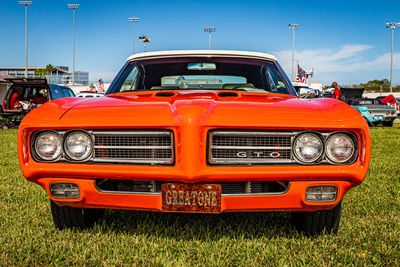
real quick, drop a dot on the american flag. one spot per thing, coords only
(100, 86)
(301, 74)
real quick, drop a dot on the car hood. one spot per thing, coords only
(209, 108)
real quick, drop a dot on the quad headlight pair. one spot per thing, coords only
(309, 147)
(49, 145)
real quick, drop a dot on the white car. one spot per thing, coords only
(91, 94)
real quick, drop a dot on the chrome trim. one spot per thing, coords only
(135, 147)
(248, 161)
(251, 147)
(141, 161)
(253, 133)
(125, 192)
(258, 194)
(132, 133)
(222, 195)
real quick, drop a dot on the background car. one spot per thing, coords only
(380, 112)
(89, 94)
(26, 94)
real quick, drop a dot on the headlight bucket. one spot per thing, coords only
(48, 145)
(308, 147)
(340, 148)
(78, 145)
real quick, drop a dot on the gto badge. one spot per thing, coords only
(275, 154)
(243, 154)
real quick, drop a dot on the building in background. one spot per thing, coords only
(59, 75)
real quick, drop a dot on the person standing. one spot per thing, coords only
(336, 91)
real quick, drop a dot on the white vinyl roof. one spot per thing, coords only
(202, 53)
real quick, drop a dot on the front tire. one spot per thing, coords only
(65, 217)
(314, 223)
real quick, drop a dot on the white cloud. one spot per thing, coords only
(349, 58)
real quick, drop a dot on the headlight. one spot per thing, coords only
(48, 145)
(78, 145)
(308, 147)
(340, 148)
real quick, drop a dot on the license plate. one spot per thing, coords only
(378, 117)
(202, 198)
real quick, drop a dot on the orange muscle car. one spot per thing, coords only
(200, 132)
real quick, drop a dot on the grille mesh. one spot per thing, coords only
(255, 153)
(251, 141)
(134, 147)
(241, 147)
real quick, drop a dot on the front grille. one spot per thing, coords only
(245, 147)
(141, 147)
(228, 188)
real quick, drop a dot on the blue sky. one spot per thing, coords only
(345, 41)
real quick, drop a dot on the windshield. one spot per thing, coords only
(199, 73)
(60, 92)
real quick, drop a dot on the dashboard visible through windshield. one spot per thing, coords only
(202, 73)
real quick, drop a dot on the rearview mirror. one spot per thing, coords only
(201, 66)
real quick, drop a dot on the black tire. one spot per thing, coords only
(387, 123)
(65, 217)
(314, 223)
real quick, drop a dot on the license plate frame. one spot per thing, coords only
(191, 198)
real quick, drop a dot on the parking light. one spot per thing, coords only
(322, 193)
(64, 190)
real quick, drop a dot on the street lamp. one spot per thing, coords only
(26, 4)
(73, 6)
(209, 30)
(133, 19)
(293, 27)
(145, 40)
(392, 25)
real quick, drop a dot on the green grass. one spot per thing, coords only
(369, 232)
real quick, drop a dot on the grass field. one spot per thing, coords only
(369, 232)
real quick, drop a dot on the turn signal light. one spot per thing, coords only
(322, 193)
(64, 190)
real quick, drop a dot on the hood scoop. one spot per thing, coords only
(228, 94)
(165, 94)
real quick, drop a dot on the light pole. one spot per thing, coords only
(209, 30)
(293, 27)
(145, 40)
(73, 6)
(392, 25)
(133, 19)
(26, 4)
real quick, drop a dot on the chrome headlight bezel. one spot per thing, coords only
(318, 157)
(87, 155)
(349, 159)
(37, 155)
